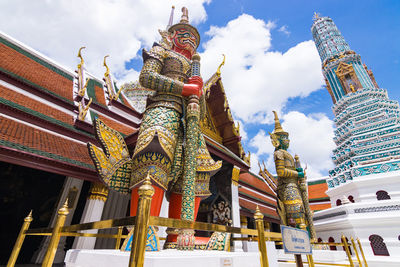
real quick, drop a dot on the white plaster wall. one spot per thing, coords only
(364, 188)
(362, 225)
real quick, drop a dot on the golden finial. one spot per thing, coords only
(258, 215)
(185, 15)
(64, 209)
(107, 73)
(29, 218)
(118, 93)
(146, 189)
(316, 16)
(80, 56)
(83, 90)
(220, 65)
(265, 168)
(83, 110)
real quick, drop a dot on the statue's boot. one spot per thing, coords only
(152, 243)
(174, 212)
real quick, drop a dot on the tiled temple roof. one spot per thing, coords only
(253, 191)
(39, 116)
(317, 197)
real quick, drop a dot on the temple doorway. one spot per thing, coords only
(23, 189)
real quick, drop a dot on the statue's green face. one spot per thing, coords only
(284, 141)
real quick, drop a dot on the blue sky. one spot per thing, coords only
(276, 68)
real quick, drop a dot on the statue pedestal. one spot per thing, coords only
(166, 258)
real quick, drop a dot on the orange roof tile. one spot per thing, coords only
(100, 97)
(29, 69)
(316, 207)
(250, 179)
(256, 197)
(39, 140)
(317, 190)
(252, 206)
(30, 103)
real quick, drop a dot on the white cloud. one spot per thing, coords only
(284, 29)
(311, 137)
(256, 79)
(263, 151)
(106, 27)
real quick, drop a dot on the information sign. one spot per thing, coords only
(295, 241)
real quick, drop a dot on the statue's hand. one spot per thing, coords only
(301, 174)
(194, 87)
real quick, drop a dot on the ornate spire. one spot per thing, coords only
(278, 128)
(171, 18)
(316, 16)
(185, 16)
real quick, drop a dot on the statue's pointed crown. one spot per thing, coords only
(184, 23)
(278, 128)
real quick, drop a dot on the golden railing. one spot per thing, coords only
(346, 247)
(142, 222)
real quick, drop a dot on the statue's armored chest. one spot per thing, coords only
(176, 66)
(286, 157)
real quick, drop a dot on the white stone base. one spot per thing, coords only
(325, 256)
(197, 258)
(167, 258)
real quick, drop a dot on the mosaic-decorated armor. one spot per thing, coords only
(159, 148)
(290, 202)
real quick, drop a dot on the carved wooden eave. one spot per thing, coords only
(269, 178)
(219, 124)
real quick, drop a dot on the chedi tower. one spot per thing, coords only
(364, 187)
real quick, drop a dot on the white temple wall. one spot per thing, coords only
(364, 188)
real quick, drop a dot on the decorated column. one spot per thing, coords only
(235, 206)
(243, 224)
(93, 210)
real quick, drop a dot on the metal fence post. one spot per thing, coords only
(355, 249)
(55, 236)
(262, 246)
(20, 240)
(310, 259)
(146, 191)
(346, 248)
(118, 241)
(362, 252)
